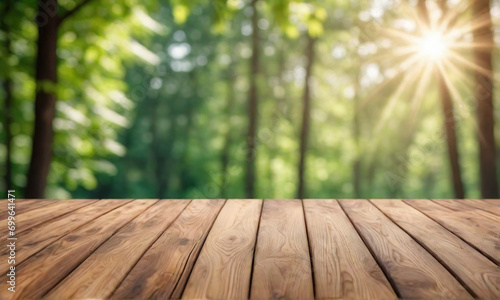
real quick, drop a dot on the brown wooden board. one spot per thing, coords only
(474, 270)
(223, 269)
(42, 271)
(46, 213)
(36, 238)
(282, 266)
(164, 269)
(414, 272)
(100, 274)
(343, 266)
(23, 206)
(479, 229)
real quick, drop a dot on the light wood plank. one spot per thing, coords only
(476, 271)
(163, 270)
(471, 205)
(223, 268)
(492, 201)
(38, 237)
(343, 266)
(479, 229)
(42, 271)
(101, 273)
(46, 213)
(413, 271)
(282, 266)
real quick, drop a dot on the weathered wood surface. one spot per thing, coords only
(223, 269)
(282, 265)
(240, 249)
(415, 272)
(480, 229)
(343, 266)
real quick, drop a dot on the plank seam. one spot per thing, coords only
(60, 237)
(83, 260)
(255, 249)
(147, 249)
(465, 241)
(199, 251)
(309, 248)
(58, 216)
(379, 263)
(467, 288)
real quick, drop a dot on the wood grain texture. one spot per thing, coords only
(413, 271)
(478, 228)
(163, 270)
(223, 269)
(476, 271)
(23, 206)
(476, 206)
(343, 266)
(492, 201)
(46, 213)
(282, 266)
(38, 237)
(42, 271)
(485, 206)
(100, 274)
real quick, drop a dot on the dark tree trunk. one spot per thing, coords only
(45, 99)
(7, 84)
(483, 37)
(451, 137)
(450, 129)
(228, 138)
(252, 106)
(306, 114)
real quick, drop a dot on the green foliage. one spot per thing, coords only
(153, 94)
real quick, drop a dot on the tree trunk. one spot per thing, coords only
(252, 106)
(451, 137)
(450, 128)
(228, 138)
(306, 114)
(45, 99)
(8, 100)
(484, 99)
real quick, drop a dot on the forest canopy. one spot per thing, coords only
(250, 98)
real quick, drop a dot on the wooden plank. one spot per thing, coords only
(101, 273)
(38, 237)
(32, 218)
(164, 269)
(492, 201)
(23, 206)
(413, 271)
(479, 229)
(461, 206)
(282, 266)
(223, 269)
(343, 266)
(478, 273)
(482, 205)
(42, 271)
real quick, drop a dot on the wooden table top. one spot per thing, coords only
(258, 249)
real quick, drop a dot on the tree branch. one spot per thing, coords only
(72, 12)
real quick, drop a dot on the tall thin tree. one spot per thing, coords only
(483, 39)
(306, 116)
(48, 23)
(7, 85)
(448, 113)
(253, 100)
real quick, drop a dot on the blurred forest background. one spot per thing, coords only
(250, 98)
